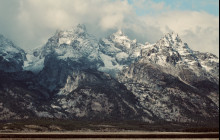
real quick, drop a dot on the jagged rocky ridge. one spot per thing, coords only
(76, 76)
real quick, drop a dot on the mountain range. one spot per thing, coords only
(76, 76)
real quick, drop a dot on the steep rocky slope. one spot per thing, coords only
(76, 88)
(75, 76)
(174, 82)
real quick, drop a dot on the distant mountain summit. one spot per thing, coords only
(77, 76)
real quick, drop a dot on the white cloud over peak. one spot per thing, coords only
(199, 29)
(149, 5)
(31, 22)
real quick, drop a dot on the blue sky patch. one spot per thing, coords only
(144, 7)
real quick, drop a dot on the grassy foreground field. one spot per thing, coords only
(49, 129)
(53, 125)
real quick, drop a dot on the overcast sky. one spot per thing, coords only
(29, 23)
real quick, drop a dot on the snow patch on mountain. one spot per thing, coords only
(33, 62)
(110, 65)
(118, 51)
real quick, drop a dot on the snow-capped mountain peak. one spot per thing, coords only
(173, 42)
(122, 40)
(67, 36)
(170, 51)
(11, 56)
(71, 44)
(170, 40)
(81, 27)
(119, 33)
(173, 37)
(118, 51)
(8, 45)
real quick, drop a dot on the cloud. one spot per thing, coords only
(149, 5)
(199, 29)
(31, 22)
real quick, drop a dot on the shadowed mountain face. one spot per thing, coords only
(75, 76)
